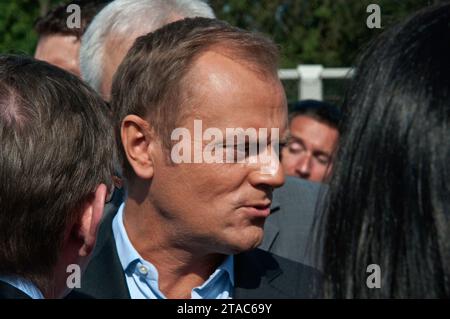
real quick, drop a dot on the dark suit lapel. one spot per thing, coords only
(9, 292)
(256, 276)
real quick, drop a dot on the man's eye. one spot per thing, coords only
(323, 159)
(295, 148)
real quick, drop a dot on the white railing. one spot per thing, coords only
(310, 78)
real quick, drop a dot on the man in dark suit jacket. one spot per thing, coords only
(289, 230)
(258, 274)
(189, 227)
(287, 233)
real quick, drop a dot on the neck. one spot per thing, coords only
(181, 266)
(56, 287)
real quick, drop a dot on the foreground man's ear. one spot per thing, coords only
(90, 220)
(137, 141)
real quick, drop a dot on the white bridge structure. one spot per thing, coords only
(310, 78)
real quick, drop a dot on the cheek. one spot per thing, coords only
(287, 160)
(320, 170)
(224, 188)
(204, 184)
(220, 181)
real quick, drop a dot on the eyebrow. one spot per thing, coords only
(296, 138)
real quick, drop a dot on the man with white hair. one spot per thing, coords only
(114, 30)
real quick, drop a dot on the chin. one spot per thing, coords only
(247, 241)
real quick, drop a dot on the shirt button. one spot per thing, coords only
(143, 270)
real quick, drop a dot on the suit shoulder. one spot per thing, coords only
(295, 279)
(306, 280)
(272, 261)
(294, 186)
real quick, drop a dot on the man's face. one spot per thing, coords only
(308, 153)
(60, 50)
(221, 207)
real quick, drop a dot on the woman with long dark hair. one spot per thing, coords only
(389, 197)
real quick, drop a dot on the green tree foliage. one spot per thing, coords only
(328, 32)
(17, 18)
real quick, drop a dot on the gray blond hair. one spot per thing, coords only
(122, 18)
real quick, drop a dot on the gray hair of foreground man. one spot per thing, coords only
(152, 81)
(56, 144)
(123, 19)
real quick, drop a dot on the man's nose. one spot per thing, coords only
(269, 173)
(303, 167)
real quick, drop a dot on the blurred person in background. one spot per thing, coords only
(312, 138)
(114, 30)
(59, 44)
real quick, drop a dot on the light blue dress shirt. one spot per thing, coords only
(23, 285)
(142, 276)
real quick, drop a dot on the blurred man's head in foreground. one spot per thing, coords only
(55, 169)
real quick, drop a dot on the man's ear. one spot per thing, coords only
(90, 220)
(137, 142)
